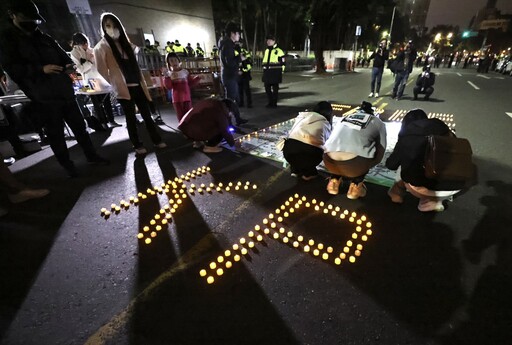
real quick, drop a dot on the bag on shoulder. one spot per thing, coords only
(392, 64)
(448, 158)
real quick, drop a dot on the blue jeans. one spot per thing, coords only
(231, 88)
(400, 82)
(376, 76)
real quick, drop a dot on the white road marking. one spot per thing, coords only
(483, 76)
(509, 114)
(476, 87)
(499, 78)
(460, 75)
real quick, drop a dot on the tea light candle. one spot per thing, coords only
(352, 259)
(325, 256)
(107, 214)
(146, 228)
(157, 216)
(289, 234)
(316, 252)
(257, 228)
(228, 189)
(308, 204)
(369, 232)
(359, 247)
(202, 273)
(306, 248)
(265, 221)
(300, 238)
(242, 240)
(273, 225)
(357, 253)
(220, 259)
(210, 280)
(266, 231)
(103, 210)
(148, 240)
(259, 238)
(364, 238)
(220, 271)
(152, 222)
(275, 235)
(354, 236)
(280, 219)
(295, 244)
(158, 227)
(337, 261)
(235, 246)
(311, 242)
(213, 265)
(349, 243)
(254, 186)
(229, 264)
(326, 211)
(227, 252)
(317, 208)
(244, 251)
(118, 209)
(346, 249)
(250, 234)
(320, 246)
(282, 230)
(343, 256)
(285, 240)
(140, 235)
(369, 225)
(250, 244)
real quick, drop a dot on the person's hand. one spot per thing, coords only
(52, 69)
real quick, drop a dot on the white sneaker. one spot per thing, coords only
(376, 94)
(371, 94)
(27, 194)
(141, 151)
(333, 186)
(161, 145)
(212, 149)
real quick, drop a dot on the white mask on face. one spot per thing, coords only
(114, 33)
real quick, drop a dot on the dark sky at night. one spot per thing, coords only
(459, 12)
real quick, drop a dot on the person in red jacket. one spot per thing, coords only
(209, 121)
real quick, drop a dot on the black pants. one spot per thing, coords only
(103, 108)
(272, 91)
(53, 116)
(138, 97)
(303, 158)
(428, 91)
(244, 87)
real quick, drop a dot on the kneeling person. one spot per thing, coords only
(208, 120)
(303, 149)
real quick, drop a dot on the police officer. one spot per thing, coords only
(230, 61)
(190, 50)
(273, 68)
(199, 51)
(41, 69)
(245, 78)
(169, 48)
(179, 49)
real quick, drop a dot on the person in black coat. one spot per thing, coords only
(230, 62)
(409, 156)
(405, 63)
(41, 69)
(425, 83)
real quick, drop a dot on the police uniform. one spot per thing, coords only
(273, 68)
(245, 78)
(199, 51)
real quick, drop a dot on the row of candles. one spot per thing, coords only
(161, 220)
(270, 229)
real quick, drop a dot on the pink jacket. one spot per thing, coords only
(180, 82)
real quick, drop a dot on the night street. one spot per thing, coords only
(72, 276)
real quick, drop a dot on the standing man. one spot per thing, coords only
(273, 68)
(199, 51)
(41, 69)
(379, 59)
(190, 50)
(244, 83)
(230, 62)
(405, 63)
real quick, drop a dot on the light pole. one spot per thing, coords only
(391, 26)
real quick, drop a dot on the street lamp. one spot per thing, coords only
(449, 36)
(384, 34)
(437, 38)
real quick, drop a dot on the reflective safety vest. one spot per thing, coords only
(199, 52)
(273, 58)
(179, 49)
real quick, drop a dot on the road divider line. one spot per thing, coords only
(509, 114)
(460, 75)
(483, 76)
(476, 87)
(500, 78)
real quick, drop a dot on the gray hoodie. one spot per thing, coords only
(310, 128)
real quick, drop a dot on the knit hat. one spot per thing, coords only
(366, 107)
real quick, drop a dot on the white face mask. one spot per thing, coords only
(114, 33)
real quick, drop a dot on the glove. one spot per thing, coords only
(82, 61)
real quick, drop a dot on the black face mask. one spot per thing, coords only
(29, 26)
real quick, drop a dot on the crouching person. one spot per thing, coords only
(409, 156)
(209, 121)
(303, 149)
(357, 143)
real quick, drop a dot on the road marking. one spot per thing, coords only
(501, 78)
(460, 75)
(483, 76)
(476, 87)
(509, 114)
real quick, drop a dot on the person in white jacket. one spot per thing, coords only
(303, 149)
(116, 62)
(83, 57)
(357, 143)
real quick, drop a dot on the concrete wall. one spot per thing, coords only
(189, 21)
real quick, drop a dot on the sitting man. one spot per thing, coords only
(424, 83)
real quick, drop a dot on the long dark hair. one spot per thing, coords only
(123, 41)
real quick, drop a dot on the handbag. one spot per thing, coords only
(448, 158)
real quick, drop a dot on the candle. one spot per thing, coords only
(202, 272)
(352, 259)
(210, 280)
(364, 238)
(236, 257)
(242, 240)
(325, 256)
(275, 235)
(285, 240)
(259, 238)
(158, 227)
(357, 253)
(368, 225)
(320, 246)
(330, 250)
(280, 219)
(152, 222)
(146, 228)
(220, 271)
(235, 246)
(220, 259)
(140, 235)
(244, 251)
(354, 236)
(349, 243)
(316, 252)
(157, 216)
(103, 210)
(300, 238)
(295, 244)
(337, 261)
(257, 228)
(228, 264)
(250, 244)
(250, 234)
(266, 231)
(107, 214)
(227, 252)
(289, 234)
(343, 256)
(213, 265)
(306, 248)
(369, 232)
(346, 249)
(311, 242)
(282, 230)
(273, 225)
(148, 240)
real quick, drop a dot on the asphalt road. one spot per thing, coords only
(70, 276)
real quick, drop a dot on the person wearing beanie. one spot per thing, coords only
(304, 147)
(273, 68)
(357, 143)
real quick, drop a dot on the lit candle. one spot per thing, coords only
(280, 219)
(354, 236)
(300, 238)
(285, 240)
(317, 208)
(306, 248)
(235, 246)
(343, 256)
(316, 252)
(351, 219)
(244, 251)
(275, 235)
(229, 264)
(320, 246)
(337, 261)
(220, 259)
(250, 244)
(157, 216)
(273, 225)
(282, 230)
(254, 186)
(368, 225)
(213, 265)
(266, 231)
(103, 210)
(118, 209)
(295, 244)
(311, 242)
(148, 240)
(346, 249)
(308, 204)
(242, 240)
(369, 232)
(257, 228)
(357, 253)
(152, 222)
(330, 250)
(364, 238)
(220, 271)
(146, 228)
(271, 216)
(158, 227)
(289, 234)
(227, 252)
(250, 234)
(107, 213)
(140, 235)
(259, 238)
(352, 259)
(325, 256)
(210, 280)
(202, 272)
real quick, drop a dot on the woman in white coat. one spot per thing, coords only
(116, 62)
(83, 57)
